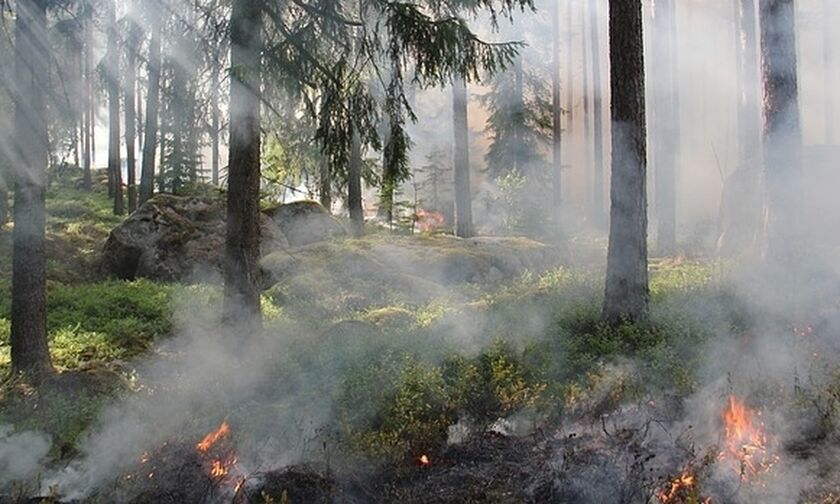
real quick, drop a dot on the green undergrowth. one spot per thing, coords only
(544, 350)
(97, 323)
(418, 360)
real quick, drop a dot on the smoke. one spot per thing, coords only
(21, 453)
(277, 387)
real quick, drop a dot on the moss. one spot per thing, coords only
(391, 316)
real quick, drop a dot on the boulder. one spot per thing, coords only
(305, 222)
(172, 237)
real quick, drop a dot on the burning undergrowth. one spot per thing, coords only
(325, 416)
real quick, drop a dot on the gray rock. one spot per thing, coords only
(171, 237)
(305, 222)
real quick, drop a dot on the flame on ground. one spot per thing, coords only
(425, 460)
(213, 437)
(682, 489)
(745, 440)
(220, 468)
(428, 220)
(224, 461)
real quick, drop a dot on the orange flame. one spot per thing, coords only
(746, 441)
(683, 481)
(221, 468)
(213, 437)
(681, 489)
(429, 220)
(425, 460)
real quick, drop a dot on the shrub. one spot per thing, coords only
(395, 408)
(490, 386)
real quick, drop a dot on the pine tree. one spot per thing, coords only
(242, 242)
(150, 130)
(30, 353)
(112, 59)
(782, 132)
(626, 294)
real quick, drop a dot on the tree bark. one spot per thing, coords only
(587, 118)
(30, 353)
(113, 69)
(519, 114)
(461, 160)
(139, 115)
(242, 243)
(626, 294)
(131, 115)
(214, 122)
(557, 120)
(385, 211)
(354, 186)
(87, 182)
(570, 84)
(782, 133)
(749, 129)
(147, 174)
(598, 218)
(325, 185)
(4, 199)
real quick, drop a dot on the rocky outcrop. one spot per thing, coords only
(305, 222)
(172, 238)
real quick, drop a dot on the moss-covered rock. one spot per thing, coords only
(170, 237)
(305, 222)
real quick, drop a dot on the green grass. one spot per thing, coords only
(98, 322)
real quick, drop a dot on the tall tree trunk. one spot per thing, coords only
(828, 72)
(113, 71)
(782, 134)
(78, 109)
(557, 120)
(5, 179)
(749, 136)
(587, 117)
(626, 294)
(664, 155)
(354, 186)
(30, 353)
(570, 84)
(4, 198)
(385, 210)
(598, 218)
(214, 122)
(178, 157)
(461, 159)
(147, 173)
(325, 185)
(139, 115)
(87, 182)
(242, 243)
(131, 115)
(519, 115)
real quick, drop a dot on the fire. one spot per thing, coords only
(680, 489)
(746, 441)
(213, 437)
(425, 460)
(429, 220)
(220, 468)
(222, 464)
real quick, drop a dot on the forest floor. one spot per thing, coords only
(378, 389)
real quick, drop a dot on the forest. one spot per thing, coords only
(419, 251)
